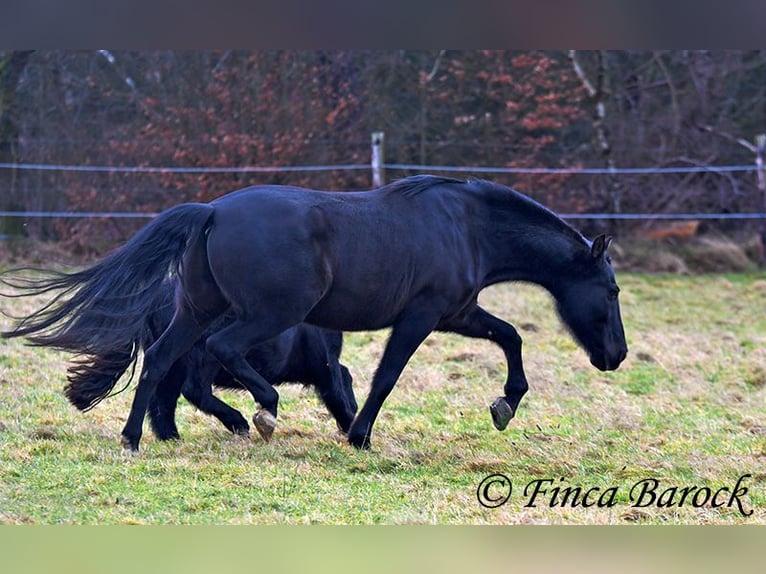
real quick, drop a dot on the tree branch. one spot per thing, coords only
(729, 137)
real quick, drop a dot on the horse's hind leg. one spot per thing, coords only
(230, 346)
(198, 303)
(182, 332)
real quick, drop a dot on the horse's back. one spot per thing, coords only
(342, 260)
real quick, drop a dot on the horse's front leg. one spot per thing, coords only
(198, 390)
(409, 330)
(478, 323)
(335, 391)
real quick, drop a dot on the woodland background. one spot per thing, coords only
(289, 108)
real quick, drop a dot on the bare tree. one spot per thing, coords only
(598, 96)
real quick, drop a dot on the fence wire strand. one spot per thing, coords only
(395, 167)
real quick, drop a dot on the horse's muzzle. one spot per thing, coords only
(609, 361)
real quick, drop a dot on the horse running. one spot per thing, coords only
(412, 255)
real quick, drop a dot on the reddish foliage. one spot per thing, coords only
(296, 108)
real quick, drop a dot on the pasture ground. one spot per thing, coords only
(687, 408)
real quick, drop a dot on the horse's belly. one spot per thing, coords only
(354, 313)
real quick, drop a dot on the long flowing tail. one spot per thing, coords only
(91, 378)
(101, 313)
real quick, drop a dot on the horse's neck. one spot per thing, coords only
(530, 253)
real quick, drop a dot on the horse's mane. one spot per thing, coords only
(415, 184)
(499, 196)
(538, 215)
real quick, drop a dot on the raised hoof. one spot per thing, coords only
(265, 423)
(501, 412)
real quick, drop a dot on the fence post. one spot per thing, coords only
(378, 176)
(760, 148)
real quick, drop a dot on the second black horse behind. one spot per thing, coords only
(302, 354)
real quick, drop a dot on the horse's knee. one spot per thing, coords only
(193, 394)
(513, 339)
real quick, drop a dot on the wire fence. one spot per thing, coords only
(394, 166)
(390, 167)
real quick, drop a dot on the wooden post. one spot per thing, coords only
(378, 174)
(760, 148)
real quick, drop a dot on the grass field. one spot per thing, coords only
(687, 409)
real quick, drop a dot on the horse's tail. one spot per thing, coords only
(101, 312)
(91, 378)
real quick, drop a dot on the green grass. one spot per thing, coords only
(688, 407)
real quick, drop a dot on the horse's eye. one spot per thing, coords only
(614, 292)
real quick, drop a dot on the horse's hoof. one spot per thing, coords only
(359, 441)
(128, 445)
(265, 423)
(501, 413)
(239, 427)
(363, 444)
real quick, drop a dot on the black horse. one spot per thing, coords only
(412, 255)
(301, 354)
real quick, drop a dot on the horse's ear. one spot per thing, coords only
(600, 245)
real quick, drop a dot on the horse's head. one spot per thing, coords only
(588, 304)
